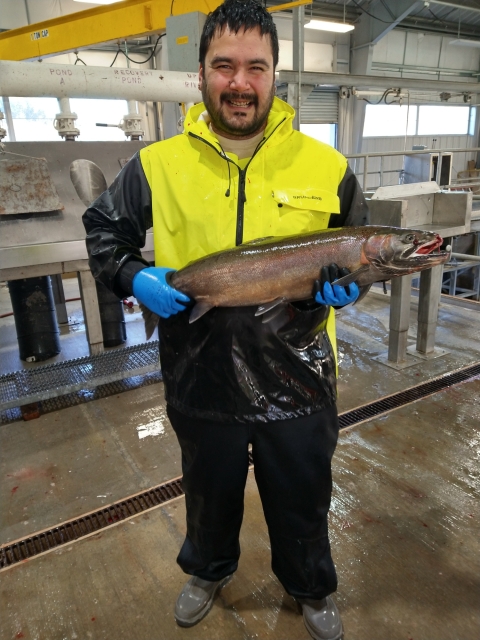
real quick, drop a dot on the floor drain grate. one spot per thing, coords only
(91, 523)
(88, 524)
(402, 398)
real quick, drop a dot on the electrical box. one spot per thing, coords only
(183, 41)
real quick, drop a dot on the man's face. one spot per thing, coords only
(237, 82)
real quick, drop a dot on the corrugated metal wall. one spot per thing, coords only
(393, 164)
(321, 107)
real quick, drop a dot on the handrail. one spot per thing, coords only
(374, 154)
(381, 154)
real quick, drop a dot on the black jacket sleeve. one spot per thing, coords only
(353, 207)
(116, 225)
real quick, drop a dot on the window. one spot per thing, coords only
(443, 120)
(323, 132)
(90, 112)
(33, 118)
(383, 120)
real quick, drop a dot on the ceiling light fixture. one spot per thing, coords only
(462, 42)
(325, 25)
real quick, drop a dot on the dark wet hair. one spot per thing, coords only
(236, 15)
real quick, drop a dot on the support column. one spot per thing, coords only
(399, 319)
(59, 298)
(428, 303)
(91, 312)
(295, 91)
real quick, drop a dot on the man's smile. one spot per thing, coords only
(239, 101)
(239, 104)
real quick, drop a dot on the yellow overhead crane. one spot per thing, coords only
(107, 23)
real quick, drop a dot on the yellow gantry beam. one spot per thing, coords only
(101, 24)
(289, 5)
(107, 23)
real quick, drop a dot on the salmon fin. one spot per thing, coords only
(199, 310)
(258, 240)
(268, 306)
(150, 319)
(351, 277)
(363, 292)
(273, 313)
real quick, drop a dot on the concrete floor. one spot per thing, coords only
(404, 521)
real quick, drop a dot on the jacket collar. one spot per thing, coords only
(279, 122)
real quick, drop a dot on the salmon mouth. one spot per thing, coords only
(429, 247)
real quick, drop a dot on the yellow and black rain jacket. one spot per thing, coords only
(229, 365)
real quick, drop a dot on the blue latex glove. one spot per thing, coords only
(151, 288)
(334, 295)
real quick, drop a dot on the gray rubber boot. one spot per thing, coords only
(196, 599)
(322, 619)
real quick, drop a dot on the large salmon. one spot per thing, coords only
(270, 271)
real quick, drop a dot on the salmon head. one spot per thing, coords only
(395, 251)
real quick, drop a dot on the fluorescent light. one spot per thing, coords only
(97, 1)
(461, 42)
(324, 25)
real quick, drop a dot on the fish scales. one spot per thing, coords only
(261, 272)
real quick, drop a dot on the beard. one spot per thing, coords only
(239, 124)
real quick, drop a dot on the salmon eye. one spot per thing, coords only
(411, 238)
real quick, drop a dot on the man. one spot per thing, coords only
(239, 172)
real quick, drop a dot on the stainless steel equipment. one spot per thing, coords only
(52, 242)
(421, 206)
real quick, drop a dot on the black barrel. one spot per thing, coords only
(35, 318)
(111, 316)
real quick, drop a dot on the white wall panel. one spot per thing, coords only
(456, 57)
(317, 56)
(422, 50)
(390, 48)
(12, 14)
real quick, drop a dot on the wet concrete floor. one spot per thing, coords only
(405, 518)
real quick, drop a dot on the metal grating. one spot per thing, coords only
(396, 400)
(58, 379)
(86, 395)
(89, 524)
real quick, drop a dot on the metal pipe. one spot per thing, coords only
(28, 79)
(465, 256)
(365, 172)
(8, 118)
(27, 11)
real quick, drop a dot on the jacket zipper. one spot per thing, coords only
(242, 174)
(242, 198)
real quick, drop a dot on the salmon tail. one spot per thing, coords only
(150, 319)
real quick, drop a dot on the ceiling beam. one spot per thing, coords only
(374, 82)
(371, 30)
(402, 10)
